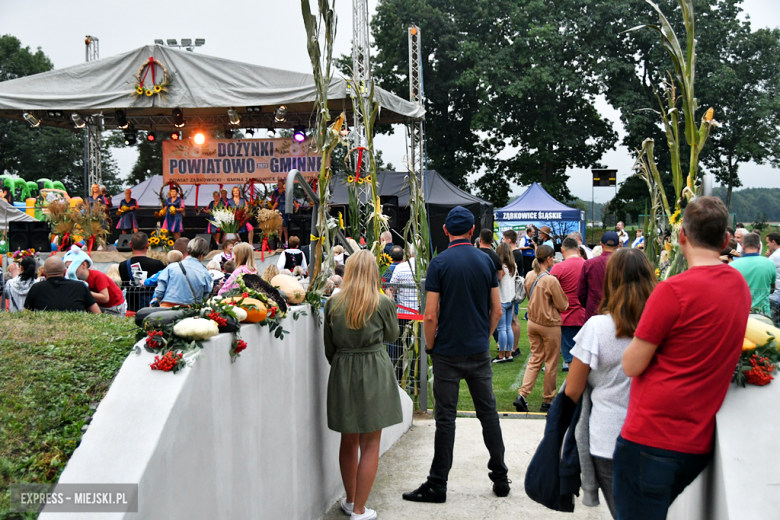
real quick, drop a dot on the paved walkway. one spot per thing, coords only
(469, 494)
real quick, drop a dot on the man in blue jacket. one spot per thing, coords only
(461, 312)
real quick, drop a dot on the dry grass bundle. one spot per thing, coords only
(270, 221)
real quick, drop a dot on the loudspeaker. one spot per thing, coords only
(208, 238)
(390, 208)
(26, 235)
(123, 243)
(300, 226)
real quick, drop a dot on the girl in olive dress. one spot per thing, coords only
(363, 393)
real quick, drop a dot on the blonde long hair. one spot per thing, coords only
(244, 254)
(360, 289)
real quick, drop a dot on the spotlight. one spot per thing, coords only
(121, 119)
(254, 110)
(299, 133)
(78, 120)
(199, 138)
(250, 132)
(151, 137)
(228, 133)
(178, 118)
(175, 136)
(281, 114)
(233, 116)
(34, 121)
(271, 132)
(54, 113)
(131, 137)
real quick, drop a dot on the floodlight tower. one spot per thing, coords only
(361, 68)
(93, 161)
(417, 96)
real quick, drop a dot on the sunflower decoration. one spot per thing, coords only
(384, 260)
(150, 70)
(675, 218)
(170, 243)
(161, 237)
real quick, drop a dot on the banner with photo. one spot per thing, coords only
(237, 161)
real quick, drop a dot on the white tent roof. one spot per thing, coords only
(9, 213)
(204, 87)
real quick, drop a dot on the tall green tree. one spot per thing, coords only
(736, 75)
(43, 152)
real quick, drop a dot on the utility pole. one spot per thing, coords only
(417, 96)
(93, 163)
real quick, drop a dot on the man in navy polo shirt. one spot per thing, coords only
(461, 312)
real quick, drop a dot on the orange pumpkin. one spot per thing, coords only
(254, 315)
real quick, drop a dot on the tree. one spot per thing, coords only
(505, 77)
(731, 58)
(43, 152)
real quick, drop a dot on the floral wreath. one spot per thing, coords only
(357, 178)
(158, 88)
(248, 186)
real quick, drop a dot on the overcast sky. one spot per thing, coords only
(265, 32)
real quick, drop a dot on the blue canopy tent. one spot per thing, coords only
(539, 208)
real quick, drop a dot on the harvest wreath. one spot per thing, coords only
(157, 88)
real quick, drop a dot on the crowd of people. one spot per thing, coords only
(648, 392)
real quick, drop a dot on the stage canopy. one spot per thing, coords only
(203, 87)
(536, 206)
(441, 197)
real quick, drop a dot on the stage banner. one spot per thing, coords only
(237, 161)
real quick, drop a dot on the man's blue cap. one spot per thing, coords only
(610, 238)
(459, 221)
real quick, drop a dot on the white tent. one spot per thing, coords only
(203, 87)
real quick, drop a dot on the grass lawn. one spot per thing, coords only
(53, 366)
(507, 378)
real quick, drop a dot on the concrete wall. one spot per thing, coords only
(742, 481)
(221, 440)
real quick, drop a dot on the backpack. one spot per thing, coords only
(519, 287)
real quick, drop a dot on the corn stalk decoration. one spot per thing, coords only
(682, 79)
(321, 33)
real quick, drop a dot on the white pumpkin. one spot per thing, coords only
(196, 329)
(291, 288)
(240, 313)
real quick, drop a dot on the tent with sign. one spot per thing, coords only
(536, 206)
(440, 194)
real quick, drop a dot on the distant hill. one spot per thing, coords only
(748, 203)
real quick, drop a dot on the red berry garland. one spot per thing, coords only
(214, 315)
(151, 339)
(760, 374)
(169, 362)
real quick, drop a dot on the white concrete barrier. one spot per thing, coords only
(743, 480)
(221, 440)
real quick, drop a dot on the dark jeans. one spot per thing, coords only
(567, 341)
(646, 480)
(478, 373)
(528, 262)
(604, 478)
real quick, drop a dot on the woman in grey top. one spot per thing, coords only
(597, 365)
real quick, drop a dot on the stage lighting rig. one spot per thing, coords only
(178, 118)
(78, 120)
(299, 133)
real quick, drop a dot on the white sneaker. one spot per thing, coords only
(369, 514)
(346, 507)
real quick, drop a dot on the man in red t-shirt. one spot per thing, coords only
(106, 292)
(568, 274)
(680, 362)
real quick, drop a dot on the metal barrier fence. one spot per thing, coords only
(408, 352)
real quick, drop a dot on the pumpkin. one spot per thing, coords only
(254, 315)
(196, 329)
(290, 287)
(761, 333)
(241, 314)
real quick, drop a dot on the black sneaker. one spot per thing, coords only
(501, 489)
(516, 353)
(545, 407)
(509, 359)
(498, 359)
(521, 405)
(565, 367)
(426, 493)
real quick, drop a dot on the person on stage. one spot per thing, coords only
(174, 209)
(237, 201)
(96, 196)
(105, 199)
(127, 219)
(278, 198)
(211, 229)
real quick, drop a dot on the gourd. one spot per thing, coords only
(290, 287)
(748, 345)
(196, 329)
(254, 315)
(241, 314)
(157, 316)
(761, 333)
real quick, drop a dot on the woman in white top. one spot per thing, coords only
(506, 291)
(597, 363)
